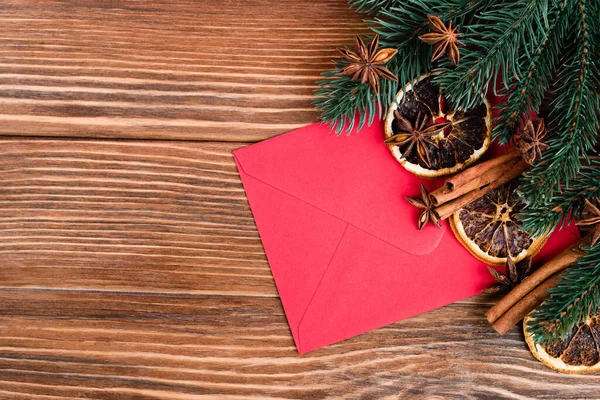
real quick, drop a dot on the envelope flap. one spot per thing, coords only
(299, 241)
(353, 299)
(354, 178)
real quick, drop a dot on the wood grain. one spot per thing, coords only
(205, 70)
(132, 269)
(129, 215)
(157, 346)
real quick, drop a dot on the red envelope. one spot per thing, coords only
(342, 241)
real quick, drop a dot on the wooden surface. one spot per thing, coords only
(132, 269)
(201, 70)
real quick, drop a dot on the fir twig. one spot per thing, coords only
(345, 103)
(493, 44)
(576, 296)
(573, 122)
(401, 26)
(541, 218)
(524, 98)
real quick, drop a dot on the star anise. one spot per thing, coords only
(443, 38)
(367, 63)
(425, 202)
(515, 273)
(531, 141)
(418, 136)
(592, 220)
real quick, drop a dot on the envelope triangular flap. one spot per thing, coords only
(299, 240)
(354, 178)
(362, 291)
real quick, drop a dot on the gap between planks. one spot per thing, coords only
(242, 143)
(176, 293)
(478, 300)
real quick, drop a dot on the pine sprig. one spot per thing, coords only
(345, 103)
(401, 26)
(525, 97)
(573, 121)
(413, 58)
(403, 23)
(492, 44)
(575, 297)
(569, 202)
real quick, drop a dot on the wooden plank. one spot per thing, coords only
(75, 344)
(127, 215)
(167, 69)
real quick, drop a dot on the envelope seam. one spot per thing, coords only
(320, 281)
(240, 167)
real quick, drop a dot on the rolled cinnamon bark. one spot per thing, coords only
(524, 306)
(557, 264)
(501, 176)
(474, 177)
(447, 209)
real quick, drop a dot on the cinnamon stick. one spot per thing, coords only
(473, 177)
(501, 175)
(557, 264)
(447, 209)
(524, 306)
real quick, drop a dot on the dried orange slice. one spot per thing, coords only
(428, 137)
(488, 229)
(578, 353)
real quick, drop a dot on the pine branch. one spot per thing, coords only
(492, 44)
(401, 26)
(414, 59)
(345, 103)
(543, 218)
(404, 23)
(576, 296)
(525, 97)
(573, 124)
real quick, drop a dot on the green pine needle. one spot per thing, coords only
(573, 123)
(346, 104)
(525, 97)
(575, 297)
(493, 44)
(567, 203)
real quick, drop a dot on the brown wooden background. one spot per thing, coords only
(130, 265)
